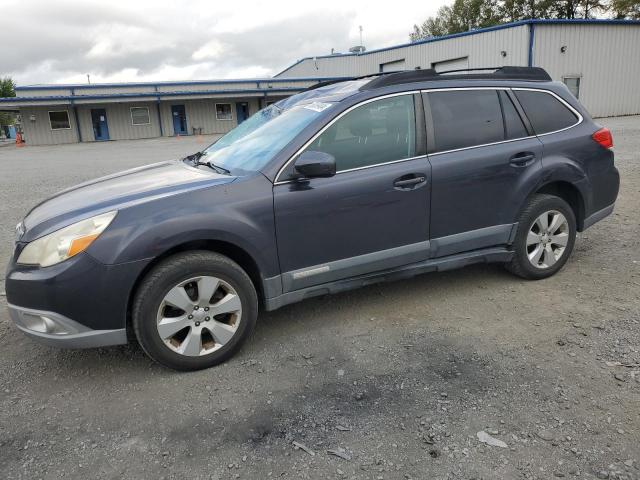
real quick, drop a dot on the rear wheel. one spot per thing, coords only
(545, 237)
(194, 310)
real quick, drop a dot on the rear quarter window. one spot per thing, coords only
(545, 112)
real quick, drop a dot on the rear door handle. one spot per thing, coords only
(409, 181)
(522, 159)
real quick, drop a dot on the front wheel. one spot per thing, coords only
(545, 237)
(194, 310)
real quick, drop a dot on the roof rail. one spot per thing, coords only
(497, 73)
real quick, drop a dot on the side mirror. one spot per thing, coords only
(312, 164)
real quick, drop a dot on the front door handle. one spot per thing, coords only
(409, 181)
(522, 159)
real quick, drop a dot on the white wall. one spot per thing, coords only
(39, 132)
(483, 49)
(607, 57)
(119, 121)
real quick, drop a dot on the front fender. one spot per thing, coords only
(240, 213)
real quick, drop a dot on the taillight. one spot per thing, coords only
(603, 137)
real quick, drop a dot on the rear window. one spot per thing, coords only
(545, 112)
(465, 118)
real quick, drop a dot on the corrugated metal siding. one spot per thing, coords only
(109, 90)
(119, 122)
(118, 89)
(483, 49)
(605, 56)
(202, 114)
(40, 133)
(63, 91)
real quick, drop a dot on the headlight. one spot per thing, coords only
(66, 242)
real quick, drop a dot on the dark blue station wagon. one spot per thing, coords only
(343, 185)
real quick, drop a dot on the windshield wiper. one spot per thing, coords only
(215, 167)
(195, 159)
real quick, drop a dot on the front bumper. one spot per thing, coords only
(57, 330)
(77, 303)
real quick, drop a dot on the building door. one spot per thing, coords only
(179, 120)
(453, 64)
(242, 111)
(99, 121)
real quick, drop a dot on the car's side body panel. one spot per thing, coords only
(332, 228)
(240, 213)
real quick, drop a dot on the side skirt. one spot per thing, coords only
(451, 262)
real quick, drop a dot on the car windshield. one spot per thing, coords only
(253, 143)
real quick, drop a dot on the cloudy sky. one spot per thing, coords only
(147, 40)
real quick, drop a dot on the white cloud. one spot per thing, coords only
(62, 41)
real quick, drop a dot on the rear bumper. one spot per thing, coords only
(597, 216)
(57, 330)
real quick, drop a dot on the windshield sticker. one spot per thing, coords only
(317, 106)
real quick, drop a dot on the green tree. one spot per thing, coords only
(461, 16)
(465, 15)
(432, 26)
(7, 89)
(626, 9)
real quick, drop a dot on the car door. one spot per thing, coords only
(374, 213)
(484, 159)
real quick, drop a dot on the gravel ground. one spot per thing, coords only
(392, 381)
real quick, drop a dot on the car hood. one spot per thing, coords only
(115, 192)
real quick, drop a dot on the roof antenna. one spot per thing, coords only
(360, 27)
(88, 79)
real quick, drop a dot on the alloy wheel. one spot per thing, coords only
(199, 316)
(547, 239)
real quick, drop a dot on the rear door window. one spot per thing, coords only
(545, 112)
(465, 118)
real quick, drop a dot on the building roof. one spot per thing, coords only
(188, 83)
(71, 94)
(520, 23)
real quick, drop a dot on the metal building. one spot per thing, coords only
(55, 114)
(599, 60)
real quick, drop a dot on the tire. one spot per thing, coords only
(529, 261)
(180, 324)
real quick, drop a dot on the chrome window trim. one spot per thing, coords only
(479, 146)
(563, 101)
(573, 110)
(444, 89)
(321, 131)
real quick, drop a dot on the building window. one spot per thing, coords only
(140, 116)
(59, 120)
(573, 84)
(223, 111)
